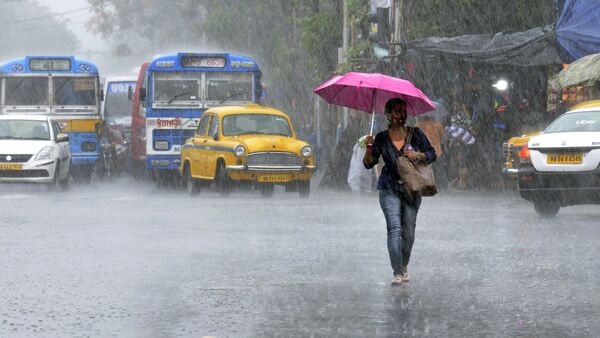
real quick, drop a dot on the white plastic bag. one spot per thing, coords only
(359, 177)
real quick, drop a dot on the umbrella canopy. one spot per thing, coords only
(369, 92)
(580, 72)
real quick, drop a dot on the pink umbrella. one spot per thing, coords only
(370, 92)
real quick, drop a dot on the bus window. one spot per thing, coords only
(225, 86)
(26, 91)
(170, 87)
(74, 91)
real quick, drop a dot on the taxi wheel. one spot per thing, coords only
(546, 209)
(304, 189)
(267, 190)
(223, 181)
(192, 186)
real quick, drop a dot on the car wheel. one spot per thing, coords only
(267, 189)
(546, 209)
(192, 186)
(223, 180)
(55, 180)
(304, 189)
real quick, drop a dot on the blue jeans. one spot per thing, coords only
(400, 213)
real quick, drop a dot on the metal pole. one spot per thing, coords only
(318, 110)
(346, 43)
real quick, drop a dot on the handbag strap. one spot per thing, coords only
(409, 136)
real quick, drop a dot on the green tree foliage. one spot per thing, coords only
(459, 17)
(28, 28)
(294, 41)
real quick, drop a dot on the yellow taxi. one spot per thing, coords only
(246, 145)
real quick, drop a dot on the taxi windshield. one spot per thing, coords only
(574, 122)
(267, 124)
(24, 130)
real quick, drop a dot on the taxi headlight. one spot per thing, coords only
(45, 154)
(306, 151)
(239, 150)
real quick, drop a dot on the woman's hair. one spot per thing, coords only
(392, 103)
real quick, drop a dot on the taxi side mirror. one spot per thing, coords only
(216, 136)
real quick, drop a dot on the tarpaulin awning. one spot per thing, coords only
(534, 47)
(576, 34)
(580, 72)
(578, 29)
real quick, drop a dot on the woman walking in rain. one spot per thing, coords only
(399, 206)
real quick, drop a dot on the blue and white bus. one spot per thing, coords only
(64, 87)
(177, 89)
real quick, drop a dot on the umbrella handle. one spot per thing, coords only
(372, 123)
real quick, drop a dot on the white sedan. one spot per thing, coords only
(562, 164)
(33, 150)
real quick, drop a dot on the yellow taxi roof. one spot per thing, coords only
(586, 104)
(246, 109)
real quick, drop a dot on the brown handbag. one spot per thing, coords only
(417, 177)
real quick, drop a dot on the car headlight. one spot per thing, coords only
(45, 154)
(306, 151)
(161, 145)
(239, 150)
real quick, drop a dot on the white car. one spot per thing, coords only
(33, 150)
(562, 164)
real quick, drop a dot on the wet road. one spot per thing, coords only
(126, 259)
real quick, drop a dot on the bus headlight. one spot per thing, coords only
(161, 145)
(45, 154)
(239, 150)
(306, 151)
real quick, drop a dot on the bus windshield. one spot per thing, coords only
(224, 87)
(220, 87)
(26, 91)
(74, 91)
(117, 104)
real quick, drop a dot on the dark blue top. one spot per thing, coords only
(384, 147)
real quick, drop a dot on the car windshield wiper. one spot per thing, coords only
(232, 96)
(252, 132)
(11, 138)
(178, 96)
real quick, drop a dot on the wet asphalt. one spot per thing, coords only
(129, 259)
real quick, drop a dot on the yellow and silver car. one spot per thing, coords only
(246, 145)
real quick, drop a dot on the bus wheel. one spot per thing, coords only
(223, 183)
(192, 186)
